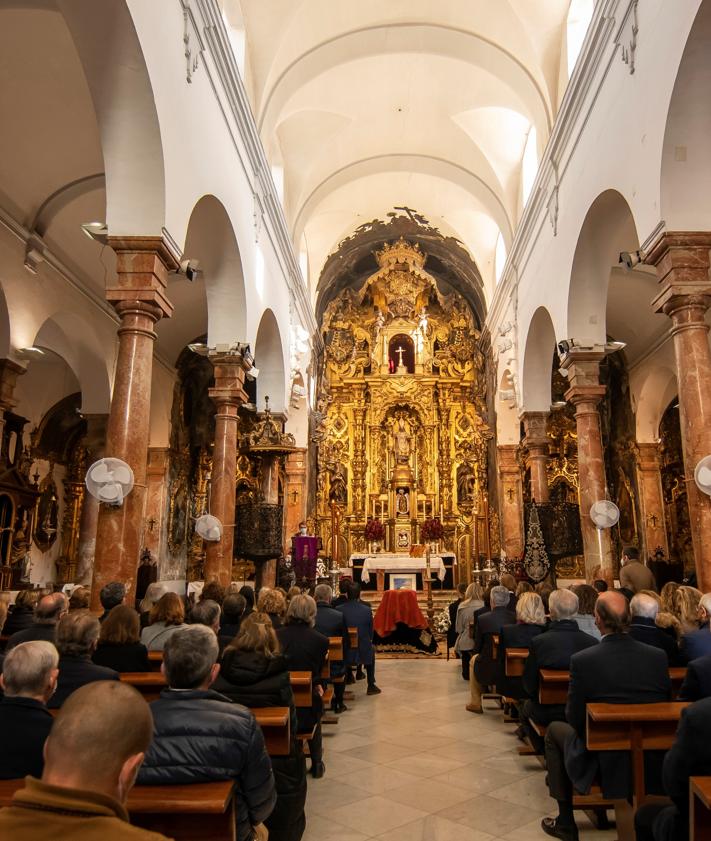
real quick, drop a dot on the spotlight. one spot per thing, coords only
(30, 352)
(565, 346)
(253, 373)
(190, 268)
(630, 259)
(558, 404)
(613, 347)
(96, 231)
(199, 347)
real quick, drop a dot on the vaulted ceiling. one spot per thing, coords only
(424, 103)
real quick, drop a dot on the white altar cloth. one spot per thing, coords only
(386, 562)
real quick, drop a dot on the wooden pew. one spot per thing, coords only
(301, 687)
(155, 659)
(515, 661)
(554, 684)
(700, 809)
(276, 728)
(186, 813)
(353, 637)
(149, 684)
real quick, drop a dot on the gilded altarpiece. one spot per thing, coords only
(400, 423)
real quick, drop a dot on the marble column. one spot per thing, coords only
(228, 395)
(585, 393)
(140, 300)
(651, 497)
(682, 262)
(536, 440)
(95, 443)
(295, 494)
(511, 500)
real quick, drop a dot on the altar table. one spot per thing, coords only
(387, 562)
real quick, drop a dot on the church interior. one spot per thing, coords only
(408, 300)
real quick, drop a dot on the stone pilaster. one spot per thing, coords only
(536, 441)
(654, 531)
(511, 500)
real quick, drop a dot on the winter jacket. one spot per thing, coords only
(251, 679)
(200, 736)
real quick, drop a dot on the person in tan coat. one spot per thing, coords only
(92, 756)
(633, 574)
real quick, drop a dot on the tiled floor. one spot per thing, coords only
(413, 765)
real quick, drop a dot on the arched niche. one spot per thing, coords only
(401, 347)
(269, 360)
(537, 363)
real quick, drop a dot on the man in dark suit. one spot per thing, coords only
(359, 615)
(553, 650)
(643, 628)
(452, 610)
(698, 643)
(688, 757)
(28, 680)
(619, 670)
(48, 612)
(697, 683)
(331, 623)
(77, 636)
(483, 667)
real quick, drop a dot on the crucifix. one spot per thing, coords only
(653, 520)
(510, 494)
(294, 497)
(400, 350)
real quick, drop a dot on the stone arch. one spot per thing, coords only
(537, 363)
(71, 338)
(685, 178)
(608, 229)
(654, 396)
(269, 361)
(5, 333)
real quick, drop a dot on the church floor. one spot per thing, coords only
(413, 765)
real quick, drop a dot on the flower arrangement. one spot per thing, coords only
(432, 529)
(374, 530)
(441, 622)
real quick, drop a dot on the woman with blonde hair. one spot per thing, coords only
(530, 622)
(686, 608)
(166, 617)
(523, 587)
(273, 603)
(464, 624)
(255, 673)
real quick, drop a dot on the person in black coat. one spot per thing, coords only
(48, 612)
(530, 622)
(332, 623)
(688, 757)
(643, 628)
(553, 650)
(233, 608)
(28, 680)
(697, 682)
(222, 740)
(305, 650)
(483, 670)
(77, 637)
(359, 615)
(21, 614)
(452, 609)
(619, 670)
(344, 585)
(254, 673)
(119, 645)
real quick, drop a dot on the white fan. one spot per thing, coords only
(209, 527)
(109, 480)
(702, 475)
(604, 514)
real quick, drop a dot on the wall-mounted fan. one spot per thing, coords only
(604, 514)
(209, 527)
(109, 480)
(702, 475)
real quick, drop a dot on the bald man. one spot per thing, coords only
(620, 670)
(48, 612)
(92, 756)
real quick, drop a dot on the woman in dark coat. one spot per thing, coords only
(305, 650)
(23, 612)
(530, 621)
(255, 674)
(119, 647)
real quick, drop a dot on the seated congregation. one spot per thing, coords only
(237, 686)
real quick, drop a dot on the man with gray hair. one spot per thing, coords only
(111, 595)
(552, 650)
(207, 613)
(28, 680)
(48, 612)
(332, 623)
(643, 627)
(483, 668)
(222, 740)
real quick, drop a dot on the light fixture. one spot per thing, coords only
(31, 352)
(613, 347)
(190, 268)
(96, 231)
(558, 404)
(34, 253)
(630, 259)
(198, 347)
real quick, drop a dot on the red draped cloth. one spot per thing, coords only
(398, 606)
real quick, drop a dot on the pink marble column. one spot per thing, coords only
(511, 500)
(585, 393)
(682, 261)
(95, 443)
(140, 300)
(654, 531)
(228, 395)
(536, 440)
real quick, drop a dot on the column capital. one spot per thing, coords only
(142, 266)
(682, 262)
(579, 395)
(9, 372)
(508, 459)
(535, 425)
(649, 456)
(230, 368)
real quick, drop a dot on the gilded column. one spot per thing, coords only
(682, 261)
(654, 531)
(140, 300)
(536, 441)
(359, 463)
(511, 500)
(585, 393)
(295, 495)
(228, 394)
(95, 443)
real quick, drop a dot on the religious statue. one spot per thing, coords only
(402, 502)
(402, 443)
